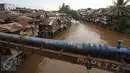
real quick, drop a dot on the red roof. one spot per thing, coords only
(5, 15)
(11, 27)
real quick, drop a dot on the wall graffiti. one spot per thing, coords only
(103, 65)
(75, 45)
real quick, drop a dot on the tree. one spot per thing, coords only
(120, 10)
(66, 9)
(120, 7)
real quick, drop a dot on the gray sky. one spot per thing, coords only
(54, 4)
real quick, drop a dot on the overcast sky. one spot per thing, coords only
(54, 4)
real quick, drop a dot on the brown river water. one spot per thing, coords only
(82, 32)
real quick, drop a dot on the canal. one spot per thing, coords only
(78, 32)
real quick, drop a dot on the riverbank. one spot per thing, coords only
(125, 31)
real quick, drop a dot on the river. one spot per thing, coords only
(78, 32)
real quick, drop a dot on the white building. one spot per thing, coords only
(7, 7)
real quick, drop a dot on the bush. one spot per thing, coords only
(127, 31)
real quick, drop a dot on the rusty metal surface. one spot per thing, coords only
(109, 65)
(11, 27)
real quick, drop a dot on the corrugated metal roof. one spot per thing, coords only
(11, 27)
(4, 15)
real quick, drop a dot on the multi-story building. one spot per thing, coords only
(7, 7)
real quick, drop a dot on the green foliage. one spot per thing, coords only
(66, 9)
(121, 25)
(127, 31)
(120, 10)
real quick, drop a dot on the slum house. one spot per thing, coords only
(82, 13)
(14, 23)
(49, 26)
(112, 19)
(47, 23)
(38, 18)
(65, 20)
(11, 28)
(55, 23)
(6, 17)
(96, 16)
(88, 16)
(14, 28)
(12, 17)
(36, 14)
(101, 17)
